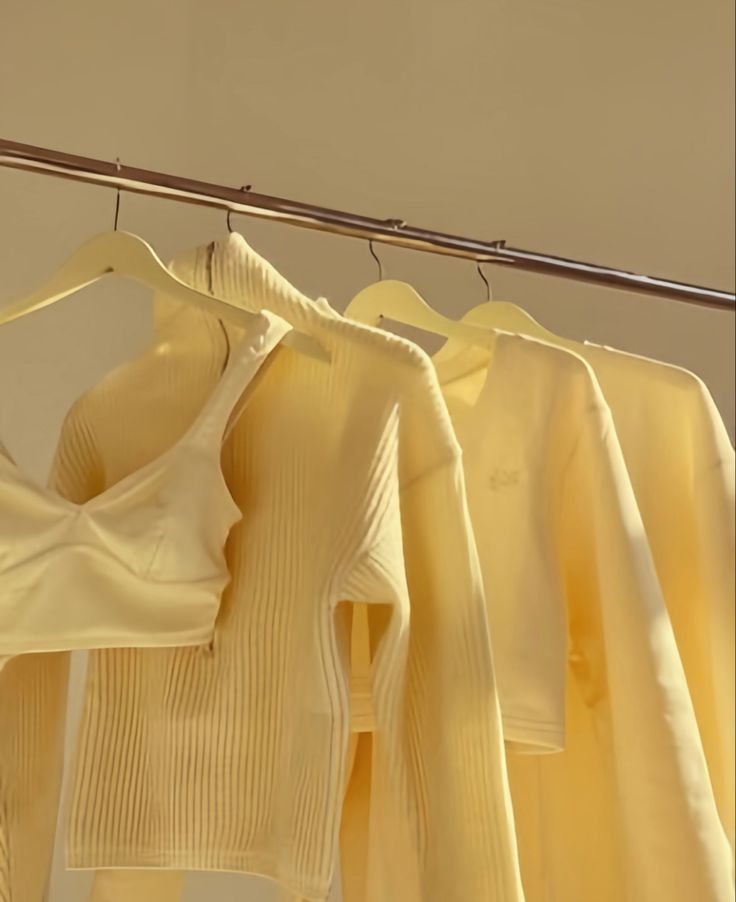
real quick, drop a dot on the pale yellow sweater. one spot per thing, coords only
(680, 463)
(585, 653)
(234, 757)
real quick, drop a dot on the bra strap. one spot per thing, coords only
(246, 358)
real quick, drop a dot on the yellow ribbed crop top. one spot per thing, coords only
(140, 564)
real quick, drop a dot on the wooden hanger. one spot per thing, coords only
(124, 254)
(398, 301)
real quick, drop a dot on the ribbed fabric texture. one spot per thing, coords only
(32, 713)
(233, 757)
(152, 544)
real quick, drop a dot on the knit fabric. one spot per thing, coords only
(681, 464)
(32, 719)
(151, 544)
(350, 482)
(585, 653)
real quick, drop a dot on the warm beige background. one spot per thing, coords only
(597, 130)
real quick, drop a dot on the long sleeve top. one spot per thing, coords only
(587, 663)
(681, 464)
(233, 756)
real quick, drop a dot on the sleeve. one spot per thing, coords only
(437, 818)
(33, 698)
(451, 717)
(624, 658)
(714, 504)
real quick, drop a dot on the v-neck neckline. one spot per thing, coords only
(261, 341)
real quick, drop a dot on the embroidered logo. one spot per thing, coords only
(501, 478)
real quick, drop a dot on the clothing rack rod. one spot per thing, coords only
(389, 231)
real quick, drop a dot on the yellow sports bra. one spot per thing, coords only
(142, 563)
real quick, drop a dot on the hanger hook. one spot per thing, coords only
(376, 258)
(117, 198)
(485, 280)
(246, 189)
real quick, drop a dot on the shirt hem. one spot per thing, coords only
(33, 646)
(234, 863)
(531, 737)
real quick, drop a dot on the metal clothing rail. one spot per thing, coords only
(388, 231)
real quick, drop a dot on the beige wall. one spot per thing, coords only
(597, 130)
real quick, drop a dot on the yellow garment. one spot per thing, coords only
(165, 886)
(579, 627)
(32, 716)
(142, 563)
(237, 760)
(681, 464)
